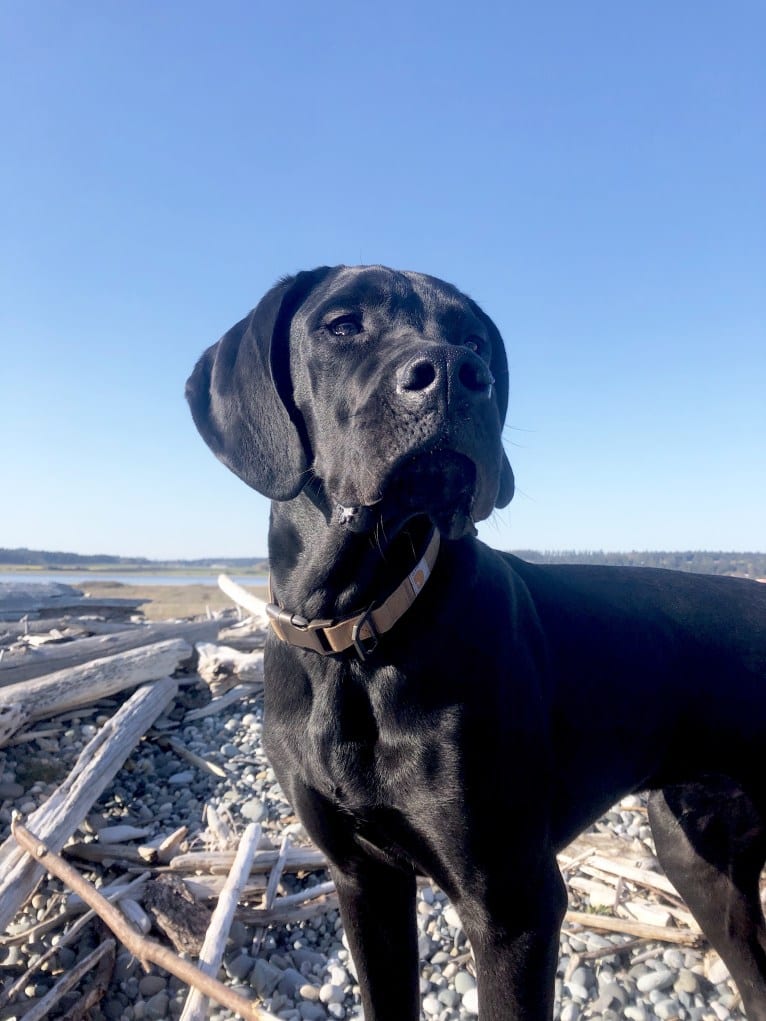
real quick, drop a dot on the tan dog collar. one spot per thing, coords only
(363, 630)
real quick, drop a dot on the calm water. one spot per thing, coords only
(80, 578)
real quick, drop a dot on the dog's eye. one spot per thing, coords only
(344, 326)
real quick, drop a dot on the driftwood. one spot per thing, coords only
(40, 1010)
(219, 703)
(663, 934)
(23, 664)
(176, 913)
(66, 808)
(52, 599)
(195, 1008)
(247, 600)
(82, 685)
(146, 950)
(246, 635)
(222, 667)
(297, 859)
(288, 914)
(8, 993)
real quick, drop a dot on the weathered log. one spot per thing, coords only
(83, 685)
(26, 595)
(24, 664)
(298, 859)
(52, 599)
(195, 1008)
(629, 928)
(222, 668)
(245, 635)
(247, 600)
(66, 808)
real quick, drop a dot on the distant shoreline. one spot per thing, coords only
(112, 566)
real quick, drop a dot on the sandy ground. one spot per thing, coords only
(169, 601)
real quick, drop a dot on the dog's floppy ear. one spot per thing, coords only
(240, 394)
(498, 364)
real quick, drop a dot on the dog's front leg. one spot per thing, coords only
(377, 905)
(514, 934)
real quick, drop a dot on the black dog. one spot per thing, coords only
(405, 714)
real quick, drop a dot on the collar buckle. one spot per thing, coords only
(365, 644)
(361, 632)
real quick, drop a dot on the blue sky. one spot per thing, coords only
(591, 173)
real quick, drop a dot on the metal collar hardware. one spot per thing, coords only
(363, 630)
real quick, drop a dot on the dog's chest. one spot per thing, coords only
(365, 741)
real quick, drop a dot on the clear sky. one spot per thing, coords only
(593, 174)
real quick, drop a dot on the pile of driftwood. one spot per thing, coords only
(59, 653)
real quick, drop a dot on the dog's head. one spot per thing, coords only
(386, 389)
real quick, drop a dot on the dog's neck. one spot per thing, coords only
(366, 566)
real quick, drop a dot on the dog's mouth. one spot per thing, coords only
(439, 485)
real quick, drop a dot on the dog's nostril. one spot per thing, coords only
(474, 375)
(418, 375)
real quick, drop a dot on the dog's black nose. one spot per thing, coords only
(453, 370)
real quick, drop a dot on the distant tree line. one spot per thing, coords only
(56, 560)
(744, 565)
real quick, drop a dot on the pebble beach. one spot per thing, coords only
(303, 970)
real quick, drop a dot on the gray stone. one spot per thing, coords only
(652, 980)
(610, 995)
(667, 1009)
(264, 978)
(470, 1001)
(239, 967)
(577, 991)
(290, 982)
(238, 934)
(635, 1012)
(687, 982)
(583, 976)
(330, 993)
(150, 985)
(717, 971)
(451, 917)
(66, 957)
(431, 1006)
(464, 982)
(312, 1011)
(184, 777)
(255, 810)
(337, 976)
(303, 957)
(673, 958)
(156, 1008)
